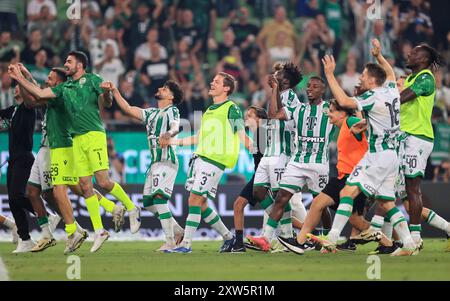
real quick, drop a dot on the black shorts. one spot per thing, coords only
(333, 190)
(247, 192)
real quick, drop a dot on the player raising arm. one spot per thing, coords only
(162, 123)
(375, 175)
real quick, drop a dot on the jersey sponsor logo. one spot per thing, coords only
(312, 139)
(311, 122)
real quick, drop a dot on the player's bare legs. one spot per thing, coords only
(238, 208)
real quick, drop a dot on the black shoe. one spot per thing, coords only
(386, 250)
(292, 245)
(238, 248)
(349, 245)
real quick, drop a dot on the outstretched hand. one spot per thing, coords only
(376, 50)
(329, 65)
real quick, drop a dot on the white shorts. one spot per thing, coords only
(377, 175)
(160, 179)
(297, 175)
(40, 175)
(203, 178)
(270, 172)
(414, 153)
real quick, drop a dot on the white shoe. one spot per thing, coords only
(404, 252)
(24, 246)
(99, 240)
(43, 244)
(166, 246)
(277, 247)
(371, 235)
(118, 217)
(15, 235)
(73, 242)
(135, 219)
(54, 220)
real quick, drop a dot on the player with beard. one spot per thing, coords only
(162, 123)
(82, 96)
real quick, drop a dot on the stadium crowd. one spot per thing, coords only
(139, 45)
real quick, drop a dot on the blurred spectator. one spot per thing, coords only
(415, 22)
(281, 52)
(245, 35)
(225, 7)
(317, 40)
(350, 78)
(154, 72)
(9, 49)
(306, 8)
(256, 93)
(140, 25)
(34, 9)
(6, 90)
(116, 163)
(333, 13)
(8, 16)
(39, 70)
(93, 7)
(98, 45)
(443, 92)
(442, 172)
(34, 12)
(127, 90)
(205, 17)
(187, 31)
(399, 72)
(33, 46)
(111, 67)
(267, 37)
(376, 30)
(75, 35)
(145, 50)
(164, 14)
(47, 25)
(183, 64)
(195, 97)
(119, 15)
(224, 48)
(405, 49)
(232, 64)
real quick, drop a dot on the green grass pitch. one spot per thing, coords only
(138, 261)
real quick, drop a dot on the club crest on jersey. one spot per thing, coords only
(82, 81)
(311, 122)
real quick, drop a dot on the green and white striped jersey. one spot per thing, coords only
(381, 108)
(44, 138)
(281, 134)
(313, 132)
(157, 122)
